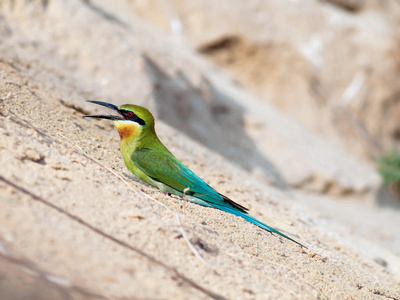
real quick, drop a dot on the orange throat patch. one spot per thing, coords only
(127, 129)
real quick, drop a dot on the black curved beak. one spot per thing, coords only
(108, 105)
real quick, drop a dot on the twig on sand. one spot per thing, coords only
(194, 250)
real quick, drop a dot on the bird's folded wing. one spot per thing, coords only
(165, 168)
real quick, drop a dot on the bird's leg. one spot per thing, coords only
(184, 197)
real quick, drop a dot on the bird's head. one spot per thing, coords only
(130, 121)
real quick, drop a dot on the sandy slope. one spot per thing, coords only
(75, 224)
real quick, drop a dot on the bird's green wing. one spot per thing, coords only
(165, 168)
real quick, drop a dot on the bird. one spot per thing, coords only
(147, 158)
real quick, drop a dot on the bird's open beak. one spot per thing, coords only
(108, 117)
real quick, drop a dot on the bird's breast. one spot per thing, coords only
(127, 129)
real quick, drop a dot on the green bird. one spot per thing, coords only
(147, 158)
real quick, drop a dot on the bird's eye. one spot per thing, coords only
(130, 113)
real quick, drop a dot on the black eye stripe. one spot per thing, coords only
(130, 115)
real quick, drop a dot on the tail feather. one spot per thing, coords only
(254, 221)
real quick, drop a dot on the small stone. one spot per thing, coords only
(33, 155)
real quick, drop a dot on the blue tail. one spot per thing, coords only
(250, 219)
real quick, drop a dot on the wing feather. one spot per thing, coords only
(167, 169)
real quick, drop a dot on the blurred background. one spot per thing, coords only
(333, 66)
